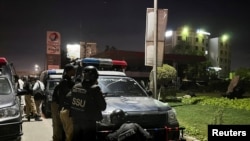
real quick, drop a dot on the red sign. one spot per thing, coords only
(53, 50)
(53, 38)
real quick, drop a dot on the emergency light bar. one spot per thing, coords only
(51, 74)
(97, 61)
(55, 76)
(121, 63)
(56, 71)
(104, 63)
(3, 61)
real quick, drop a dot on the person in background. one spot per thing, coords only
(20, 85)
(38, 86)
(58, 132)
(30, 109)
(87, 104)
(65, 87)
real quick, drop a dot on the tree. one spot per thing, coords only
(244, 73)
(165, 74)
(194, 70)
(108, 48)
(183, 48)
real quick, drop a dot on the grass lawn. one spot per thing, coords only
(196, 117)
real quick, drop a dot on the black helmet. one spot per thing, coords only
(117, 117)
(90, 74)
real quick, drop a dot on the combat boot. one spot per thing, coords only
(37, 118)
(28, 117)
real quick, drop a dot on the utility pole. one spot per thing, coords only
(85, 49)
(155, 48)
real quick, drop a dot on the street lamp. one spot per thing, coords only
(224, 38)
(169, 41)
(185, 33)
(168, 33)
(37, 68)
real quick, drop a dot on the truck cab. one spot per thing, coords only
(125, 93)
(10, 107)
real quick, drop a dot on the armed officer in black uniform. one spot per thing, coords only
(65, 87)
(86, 106)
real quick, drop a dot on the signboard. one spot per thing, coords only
(53, 61)
(149, 53)
(53, 38)
(149, 37)
(87, 49)
(53, 51)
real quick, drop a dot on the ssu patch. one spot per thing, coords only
(78, 99)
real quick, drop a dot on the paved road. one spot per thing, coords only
(42, 130)
(37, 130)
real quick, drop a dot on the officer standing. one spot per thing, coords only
(20, 85)
(86, 105)
(38, 85)
(65, 87)
(58, 132)
(30, 102)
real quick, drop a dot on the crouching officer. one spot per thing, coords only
(86, 105)
(125, 130)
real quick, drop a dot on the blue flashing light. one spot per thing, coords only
(55, 71)
(93, 61)
(51, 71)
(97, 61)
(156, 129)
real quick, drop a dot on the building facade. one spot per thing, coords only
(197, 40)
(219, 53)
(216, 50)
(87, 49)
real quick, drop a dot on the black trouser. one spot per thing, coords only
(84, 130)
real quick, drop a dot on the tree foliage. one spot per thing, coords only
(183, 48)
(165, 74)
(195, 70)
(244, 73)
(108, 48)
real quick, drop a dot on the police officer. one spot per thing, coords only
(65, 87)
(38, 87)
(20, 85)
(86, 105)
(30, 102)
(58, 132)
(125, 130)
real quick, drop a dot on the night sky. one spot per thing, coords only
(118, 23)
